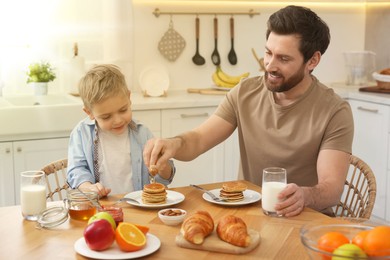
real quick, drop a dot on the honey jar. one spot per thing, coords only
(81, 206)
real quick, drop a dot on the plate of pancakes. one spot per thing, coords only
(155, 195)
(233, 193)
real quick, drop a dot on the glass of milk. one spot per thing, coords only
(32, 194)
(274, 181)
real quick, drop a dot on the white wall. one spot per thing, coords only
(127, 33)
(346, 22)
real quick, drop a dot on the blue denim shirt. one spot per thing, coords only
(81, 155)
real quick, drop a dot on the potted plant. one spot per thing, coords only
(38, 75)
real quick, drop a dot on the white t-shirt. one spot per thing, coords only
(115, 162)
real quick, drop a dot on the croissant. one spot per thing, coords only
(233, 230)
(197, 226)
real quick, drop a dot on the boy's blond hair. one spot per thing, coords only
(101, 82)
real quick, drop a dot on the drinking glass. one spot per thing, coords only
(32, 194)
(274, 181)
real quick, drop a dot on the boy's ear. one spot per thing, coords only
(89, 113)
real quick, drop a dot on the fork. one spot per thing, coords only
(126, 199)
(215, 198)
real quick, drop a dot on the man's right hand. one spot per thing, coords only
(158, 151)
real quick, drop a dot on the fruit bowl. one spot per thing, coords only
(312, 232)
(172, 216)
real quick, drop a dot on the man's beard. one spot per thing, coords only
(285, 85)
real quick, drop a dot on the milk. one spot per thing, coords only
(32, 199)
(270, 191)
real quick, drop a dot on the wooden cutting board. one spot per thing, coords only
(215, 244)
(207, 91)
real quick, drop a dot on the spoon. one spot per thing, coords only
(215, 55)
(95, 203)
(232, 57)
(197, 59)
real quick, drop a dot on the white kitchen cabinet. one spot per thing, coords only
(211, 166)
(20, 156)
(151, 119)
(371, 143)
(7, 189)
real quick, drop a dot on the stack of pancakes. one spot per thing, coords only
(154, 193)
(232, 191)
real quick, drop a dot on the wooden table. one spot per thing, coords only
(279, 236)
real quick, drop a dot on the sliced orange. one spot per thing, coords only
(129, 238)
(144, 229)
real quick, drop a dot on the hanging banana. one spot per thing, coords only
(221, 79)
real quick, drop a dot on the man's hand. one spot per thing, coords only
(158, 151)
(292, 201)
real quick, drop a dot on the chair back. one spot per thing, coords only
(55, 173)
(358, 198)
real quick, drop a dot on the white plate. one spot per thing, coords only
(173, 198)
(152, 245)
(154, 81)
(250, 196)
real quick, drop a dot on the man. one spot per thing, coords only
(286, 118)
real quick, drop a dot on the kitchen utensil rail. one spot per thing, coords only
(157, 12)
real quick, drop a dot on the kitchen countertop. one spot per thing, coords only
(51, 121)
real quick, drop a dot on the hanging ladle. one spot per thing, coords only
(232, 57)
(215, 55)
(197, 59)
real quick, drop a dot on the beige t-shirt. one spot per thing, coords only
(286, 136)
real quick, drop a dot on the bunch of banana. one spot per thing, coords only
(221, 79)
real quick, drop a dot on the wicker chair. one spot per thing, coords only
(56, 179)
(359, 194)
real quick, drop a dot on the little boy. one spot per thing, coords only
(105, 149)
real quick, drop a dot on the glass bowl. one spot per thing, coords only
(311, 232)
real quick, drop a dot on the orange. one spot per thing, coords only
(377, 241)
(330, 241)
(129, 238)
(144, 229)
(358, 239)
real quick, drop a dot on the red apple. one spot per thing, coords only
(99, 235)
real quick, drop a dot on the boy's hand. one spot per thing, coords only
(97, 187)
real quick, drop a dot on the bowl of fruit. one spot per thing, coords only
(347, 238)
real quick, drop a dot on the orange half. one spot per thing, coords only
(129, 238)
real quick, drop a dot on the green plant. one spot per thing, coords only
(40, 72)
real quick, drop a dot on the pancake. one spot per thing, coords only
(154, 188)
(154, 193)
(234, 186)
(233, 191)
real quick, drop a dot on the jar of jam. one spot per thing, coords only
(115, 212)
(81, 206)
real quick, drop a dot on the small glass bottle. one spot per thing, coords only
(116, 213)
(81, 207)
